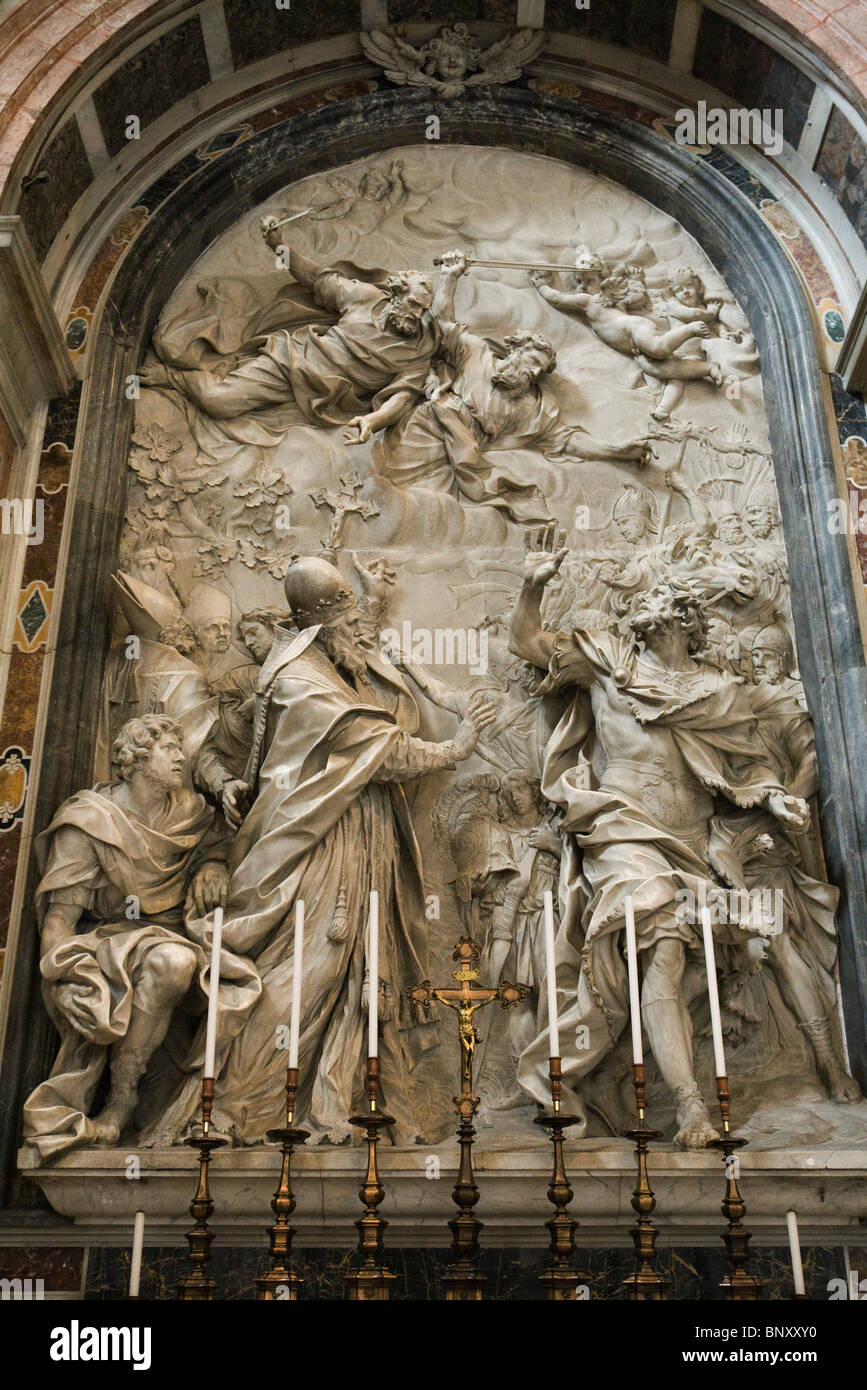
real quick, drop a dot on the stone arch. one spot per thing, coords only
(745, 252)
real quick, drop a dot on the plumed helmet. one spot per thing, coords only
(317, 592)
(764, 494)
(635, 498)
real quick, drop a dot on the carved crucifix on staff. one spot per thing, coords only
(462, 1281)
(466, 1000)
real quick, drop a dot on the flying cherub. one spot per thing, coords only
(618, 308)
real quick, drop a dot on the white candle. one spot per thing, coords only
(373, 977)
(297, 966)
(795, 1248)
(135, 1258)
(213, 992)
(632, 970)
(551, 973)
(713, 993)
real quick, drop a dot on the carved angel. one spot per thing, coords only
(453, 60)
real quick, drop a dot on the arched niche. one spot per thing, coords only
(743, 250)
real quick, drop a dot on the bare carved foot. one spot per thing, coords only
(338, 1135)
(104, 1130)
(405, 1136)
(841, 1086)
(695, 1129)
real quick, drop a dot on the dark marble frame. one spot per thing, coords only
(744, 250)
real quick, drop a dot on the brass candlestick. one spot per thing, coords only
(738, 1285)
(462, 1280)
(559, 1279)
(645, 1283)
(281, 1281)
(373, 1280)
(197, 1286)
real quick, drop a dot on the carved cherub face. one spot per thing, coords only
(258, 638)
(626, 291)
(587, 281)
(165, 762)
(451, 61)
(590, 271)
(636, 296)
(690, 292)
(214, 636)
(374, 185)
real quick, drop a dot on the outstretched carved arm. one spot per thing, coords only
(435, 689)
(361, 427)
(301, 267)
(453, 265)
(569, 301)
(699, 510)
(528, 639)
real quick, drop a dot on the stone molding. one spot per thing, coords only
(852, 362)
(34, 362)
(90, 1187)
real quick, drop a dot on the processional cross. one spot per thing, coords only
(341, 503)
(462, 1281)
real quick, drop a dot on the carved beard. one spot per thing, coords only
(166, 783)
(516, 380)
(345, 654)
(403, 323)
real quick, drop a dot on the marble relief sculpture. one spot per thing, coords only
(636, 775)
(452, 61)
(121, 867)
(332, 744)
(455, 577)
(153, 673)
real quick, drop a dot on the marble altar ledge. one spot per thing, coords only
(825, 1184)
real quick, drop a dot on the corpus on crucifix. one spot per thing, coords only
(462, 1281)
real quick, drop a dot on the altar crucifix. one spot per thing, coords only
(341, 503)
(462, 1281)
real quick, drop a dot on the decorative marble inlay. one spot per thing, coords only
(225, 141)
(14, 774)
(33, 615)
